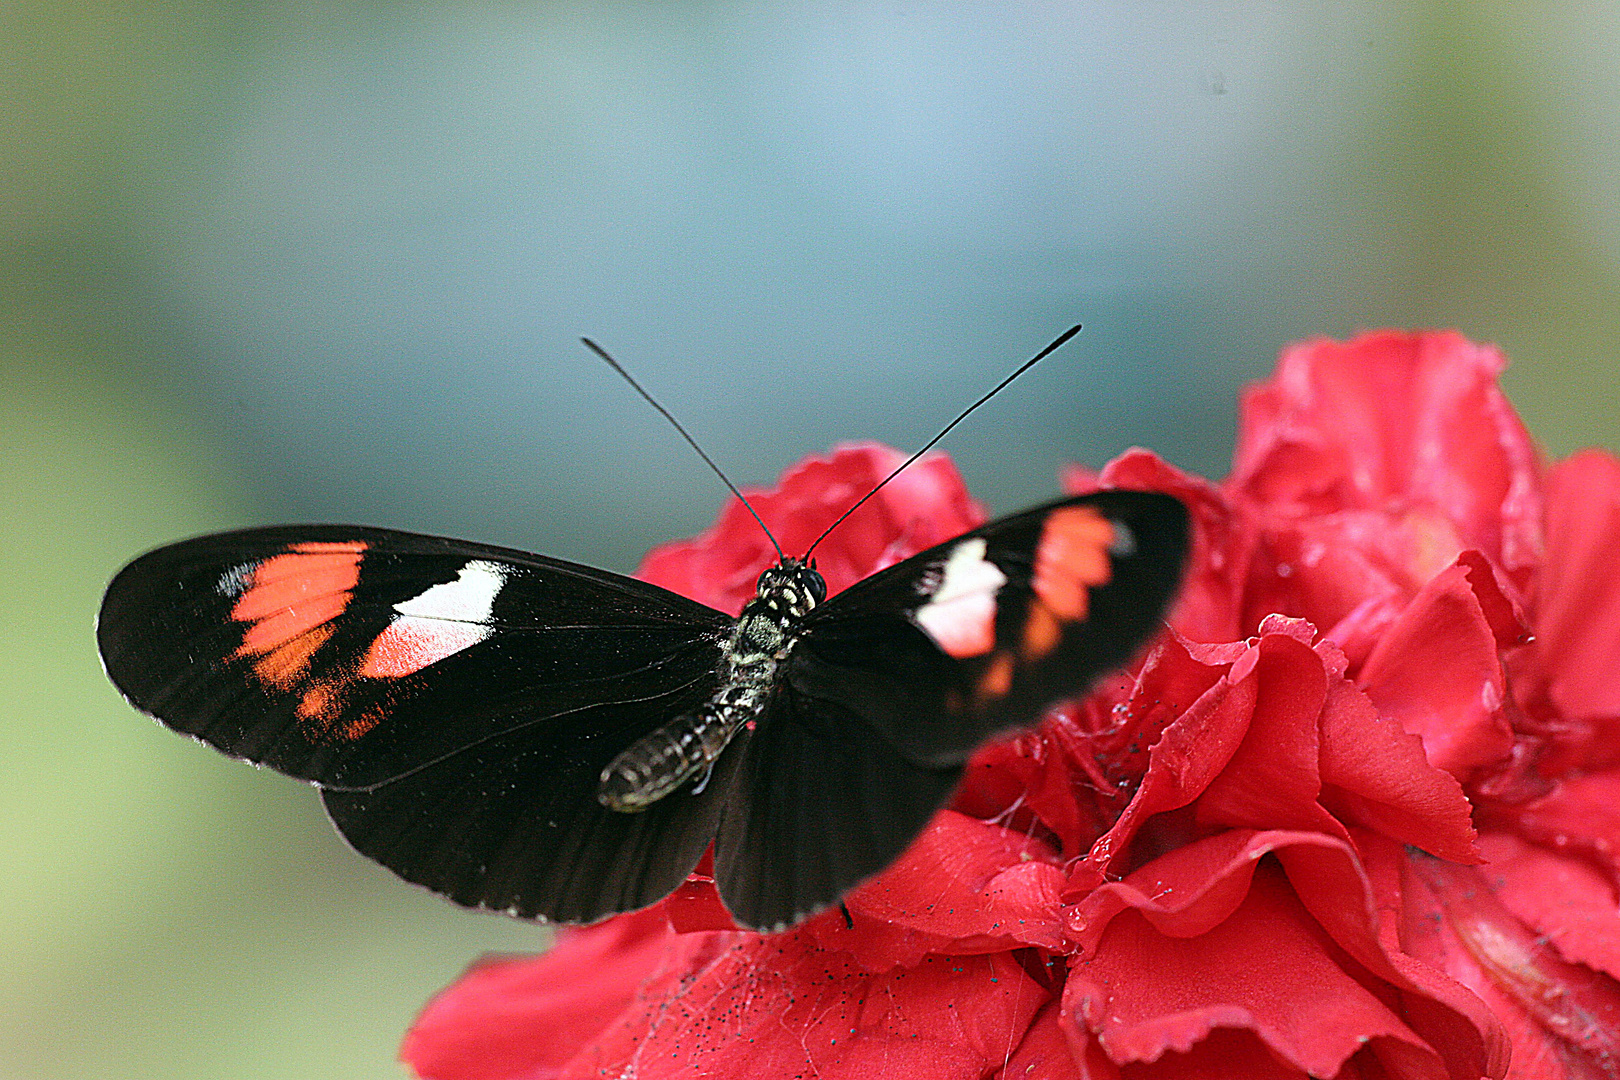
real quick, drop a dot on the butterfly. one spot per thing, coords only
(540, 737)
(558, 742)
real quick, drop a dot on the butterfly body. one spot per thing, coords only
(539, 737)
(689, 745)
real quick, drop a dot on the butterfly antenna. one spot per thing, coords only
(1060, 341)
(614, 364)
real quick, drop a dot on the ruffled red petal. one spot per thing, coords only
(1393, 420)
(1252, 971)
(1578, 593)
(1200, 737)
(1565, 900)
(964, 886)
(1273, 781)
(1348, 571)
(1577, 1008)
(522, 1017)
(1044, 1053)
(1196, 889)
(779, 1005)
(1375, 775)
(1580, 817)
(1438, 671)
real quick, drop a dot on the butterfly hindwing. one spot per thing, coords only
(980, 634)
(824, 804)
(350, 656)
(514, 824)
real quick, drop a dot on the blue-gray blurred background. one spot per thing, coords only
(316, 261)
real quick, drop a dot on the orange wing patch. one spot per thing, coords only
(1071, 559)
(290, 600)
(284, 665)
(358, 726)
(322, 705)
(327, 712)
(1042, 632)
(995, 680)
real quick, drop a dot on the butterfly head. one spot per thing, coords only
(792, 587)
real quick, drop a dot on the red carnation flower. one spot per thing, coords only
(1355, 814)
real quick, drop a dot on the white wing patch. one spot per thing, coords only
(961, 612)
(440, 622)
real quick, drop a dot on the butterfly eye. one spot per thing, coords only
(815, 583)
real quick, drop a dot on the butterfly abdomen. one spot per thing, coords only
(659, 763)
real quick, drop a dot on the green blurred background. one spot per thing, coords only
(278, 262)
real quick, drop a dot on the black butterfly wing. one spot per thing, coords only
(514, 825)
(884, 697)
(458, 701)
(823, 803)
(350, 656)
(979, 635)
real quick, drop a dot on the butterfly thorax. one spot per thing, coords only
(688, 746)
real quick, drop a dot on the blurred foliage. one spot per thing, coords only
(163, 915)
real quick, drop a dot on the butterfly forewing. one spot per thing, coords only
(351, 656)
(980, 634)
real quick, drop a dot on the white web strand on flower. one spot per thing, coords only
(1012, 1019)
(676, 996)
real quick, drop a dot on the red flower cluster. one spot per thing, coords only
(1254, 854)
